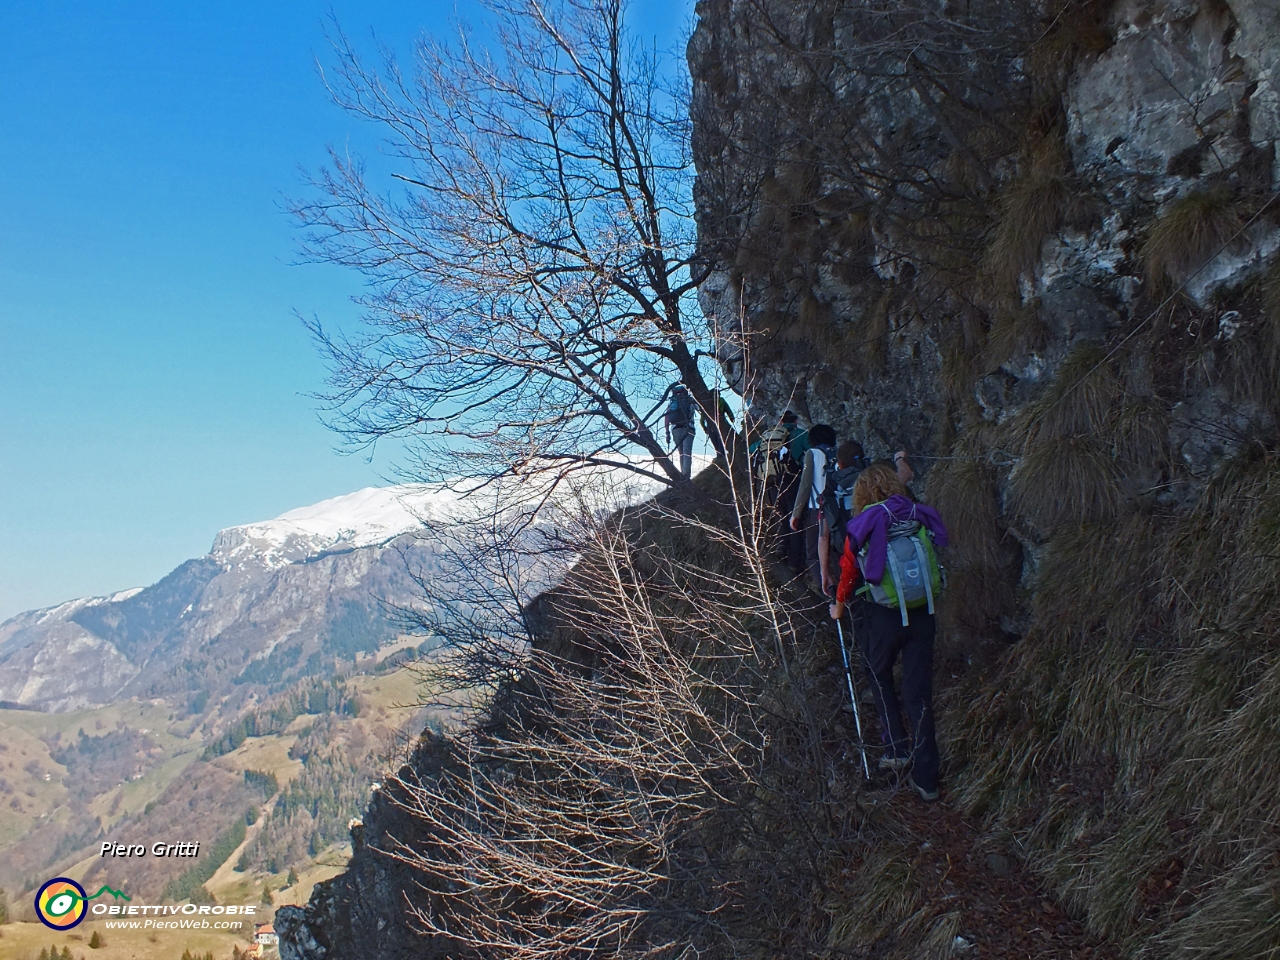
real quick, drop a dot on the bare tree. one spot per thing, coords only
(532, 287)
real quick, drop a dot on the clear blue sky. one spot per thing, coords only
(154, 380)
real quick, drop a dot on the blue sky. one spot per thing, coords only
(154, 378)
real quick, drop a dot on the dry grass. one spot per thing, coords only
(1031, 208)
(1129, 744)
(979, 560)
(1079, 401)
(1142, 434)
(879, 896)
(1014, 327)
(1071, 481)
(1070, 437)
(1189, 233)
(1271, 313)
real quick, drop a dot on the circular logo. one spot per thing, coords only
(60, 903)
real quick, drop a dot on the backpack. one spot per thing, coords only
(680, 409)
(837, 499)
(821, 472)
(912, 574)
(766, 459)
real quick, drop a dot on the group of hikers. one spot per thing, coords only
(831, 502)
(836, 510)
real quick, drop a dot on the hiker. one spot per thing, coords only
(770, 463)
(884, 626)
(790, 544)
(837, 506)
(679, 424)
(806, 513)
(836, 502)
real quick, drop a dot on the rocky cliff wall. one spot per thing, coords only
(1023, 241)
(1036, 245)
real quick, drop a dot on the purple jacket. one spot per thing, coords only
(871, 527)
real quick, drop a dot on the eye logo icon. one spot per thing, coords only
(61, 903)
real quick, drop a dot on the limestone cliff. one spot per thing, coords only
(956, 232)
(1035, 244)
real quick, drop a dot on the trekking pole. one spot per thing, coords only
(853, 699)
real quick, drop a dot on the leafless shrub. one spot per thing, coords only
(646, 779)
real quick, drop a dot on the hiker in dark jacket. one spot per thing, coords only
(790, 543)
(806, 514)
(837, 502)
(880, 497)
(679, 424)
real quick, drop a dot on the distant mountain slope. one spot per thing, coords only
(271, 602)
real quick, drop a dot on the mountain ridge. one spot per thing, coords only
(211, 616)
(273, 600)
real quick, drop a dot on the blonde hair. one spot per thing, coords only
(876, 483)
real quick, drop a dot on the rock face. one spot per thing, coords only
(796, 114)
(947, 250)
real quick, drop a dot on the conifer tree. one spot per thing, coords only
(95, 941)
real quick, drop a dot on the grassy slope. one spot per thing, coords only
(24, 941)
(46, 805)
(1129, 745)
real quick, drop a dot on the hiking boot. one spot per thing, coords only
(928, 796)
(894, 763)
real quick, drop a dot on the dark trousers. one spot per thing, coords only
(812, 529)
(882, 639)
(791, 546)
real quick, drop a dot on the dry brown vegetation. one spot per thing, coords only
(667, 772)
(1189, 233)
(1128, 745)
(652, 782)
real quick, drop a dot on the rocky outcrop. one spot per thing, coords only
(924, 249)
(802, 207)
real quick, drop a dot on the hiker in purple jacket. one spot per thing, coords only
(879, 499)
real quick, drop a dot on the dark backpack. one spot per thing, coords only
(837, 498)
(680, 409)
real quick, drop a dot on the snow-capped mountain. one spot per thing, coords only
(372, 517)
(270, 602)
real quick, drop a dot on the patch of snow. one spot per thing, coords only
(377, 515)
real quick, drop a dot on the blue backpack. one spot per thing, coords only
(912, 575)
(837, 498)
